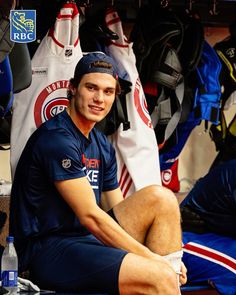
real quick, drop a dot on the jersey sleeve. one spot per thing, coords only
(59, 156)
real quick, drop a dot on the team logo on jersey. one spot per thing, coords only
(51, 101)
(68, 52)
(141, 104)
(166, 176)
(54, 107)
(23, 26)
(66, 163)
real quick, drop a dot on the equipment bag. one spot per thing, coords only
(208, 91)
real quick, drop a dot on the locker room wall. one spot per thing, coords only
(198, 154)
(199, 151)
(5, 165)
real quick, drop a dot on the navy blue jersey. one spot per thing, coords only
(214, 198)
(57, 150)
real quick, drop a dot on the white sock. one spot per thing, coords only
(175, 260)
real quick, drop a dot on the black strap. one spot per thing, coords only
(4, 149)
(5, 128)
(121, 116)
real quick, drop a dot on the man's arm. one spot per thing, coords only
(80, 197)
(111, 198)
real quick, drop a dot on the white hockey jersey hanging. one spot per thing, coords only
(137, 150)
(52, 66)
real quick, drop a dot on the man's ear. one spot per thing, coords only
(72, 88)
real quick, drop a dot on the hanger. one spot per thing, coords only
(190, 6)
(191, 10)
(165, 3)
(85, 3)
(70, 1)
(214, 10)
(139, 3)
(112, 2)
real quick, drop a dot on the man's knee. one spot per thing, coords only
(162, 198)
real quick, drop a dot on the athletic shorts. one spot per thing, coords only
(76, 265)
(211, 258)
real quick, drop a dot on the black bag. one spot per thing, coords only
(118, 113)
(192, 222)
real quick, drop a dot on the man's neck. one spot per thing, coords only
(83, 126)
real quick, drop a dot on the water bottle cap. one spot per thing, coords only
(10, 239)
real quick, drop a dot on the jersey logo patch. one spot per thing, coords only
(166, 176)
(66, 163)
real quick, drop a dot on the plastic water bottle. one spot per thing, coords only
(9, 267)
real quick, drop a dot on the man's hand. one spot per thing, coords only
(183, 275)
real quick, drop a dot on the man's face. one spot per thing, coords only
(94, 96)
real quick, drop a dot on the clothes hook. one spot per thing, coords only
(213, 10)
(164, 3)
(86, 3)
(191, 10)
(190, 6)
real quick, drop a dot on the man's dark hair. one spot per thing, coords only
(97, 64)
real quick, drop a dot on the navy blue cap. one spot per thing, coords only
(87, 64)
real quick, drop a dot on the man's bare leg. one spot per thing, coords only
(139, 275)
(151, 215)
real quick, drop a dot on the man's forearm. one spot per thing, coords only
(110, 233)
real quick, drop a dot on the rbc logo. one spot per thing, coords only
(23, 26)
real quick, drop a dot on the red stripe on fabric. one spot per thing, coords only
(127, 188)
(70, 5)
(74, 8)
(118, 45)
(110, 13)
(110, 10)
(160, 146)
(51, 34)
(113, 21)
(76, 42)
(61, 16)
(210, 254)
(56, 41)
(122, 174)
(126, 177)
